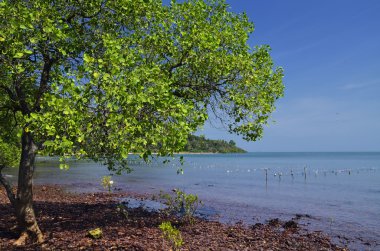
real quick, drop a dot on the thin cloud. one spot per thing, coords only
(354, 86)
(301, 49)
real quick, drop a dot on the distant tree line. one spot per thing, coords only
(201, 144)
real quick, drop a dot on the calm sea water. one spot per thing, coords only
(339, 192)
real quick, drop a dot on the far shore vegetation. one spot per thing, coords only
(200, 144)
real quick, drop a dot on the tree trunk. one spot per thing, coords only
(26, 219)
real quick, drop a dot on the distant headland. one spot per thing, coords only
(200, 144)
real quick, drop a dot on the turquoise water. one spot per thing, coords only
(340, 192)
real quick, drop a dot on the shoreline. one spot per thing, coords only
(66, 217)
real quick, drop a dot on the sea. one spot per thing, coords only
(337, 193)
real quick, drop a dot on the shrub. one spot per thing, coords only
(122, 210)
(181, 203)
(107, 183)
(172, 235)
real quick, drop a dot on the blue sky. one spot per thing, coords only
(330, 51)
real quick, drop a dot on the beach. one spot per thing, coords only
(65, 218)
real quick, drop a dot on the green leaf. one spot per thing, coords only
(96, 74)
(19, 55)
(33, 40)
(87, 58)
(28, 51)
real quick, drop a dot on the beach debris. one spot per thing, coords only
(69, 221)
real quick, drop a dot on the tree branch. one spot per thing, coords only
(8, 187)
(178, 64)
(45, 77)
(21, 96)
(11, 95)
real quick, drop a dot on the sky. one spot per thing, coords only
(330, 52)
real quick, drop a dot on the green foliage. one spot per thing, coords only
(122, 209)
(107, 183)
(9, 143)
(172, 235)
(8, 154)
(99, 79)
(96, 233)
(181, 203)
(201, 144)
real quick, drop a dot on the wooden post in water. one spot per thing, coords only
(304, 171)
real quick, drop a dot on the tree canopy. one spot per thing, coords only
(100, 79)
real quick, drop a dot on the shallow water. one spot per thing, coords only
(339, 191)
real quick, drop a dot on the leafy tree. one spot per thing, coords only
(99, 79)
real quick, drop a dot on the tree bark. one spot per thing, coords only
(26, 219)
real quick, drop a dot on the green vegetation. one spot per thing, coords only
(122, 210)
(107, 183)
(182, 203)
(7, 154)
(9, 142)
(99, 79)
(96, 233)
(172, 235)
(199, 144)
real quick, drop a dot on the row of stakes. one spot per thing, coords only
(276, 174)
(304, 173)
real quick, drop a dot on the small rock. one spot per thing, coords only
(257, 225)
(274, 222)
(290, 224)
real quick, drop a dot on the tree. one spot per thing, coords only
(99, 79)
